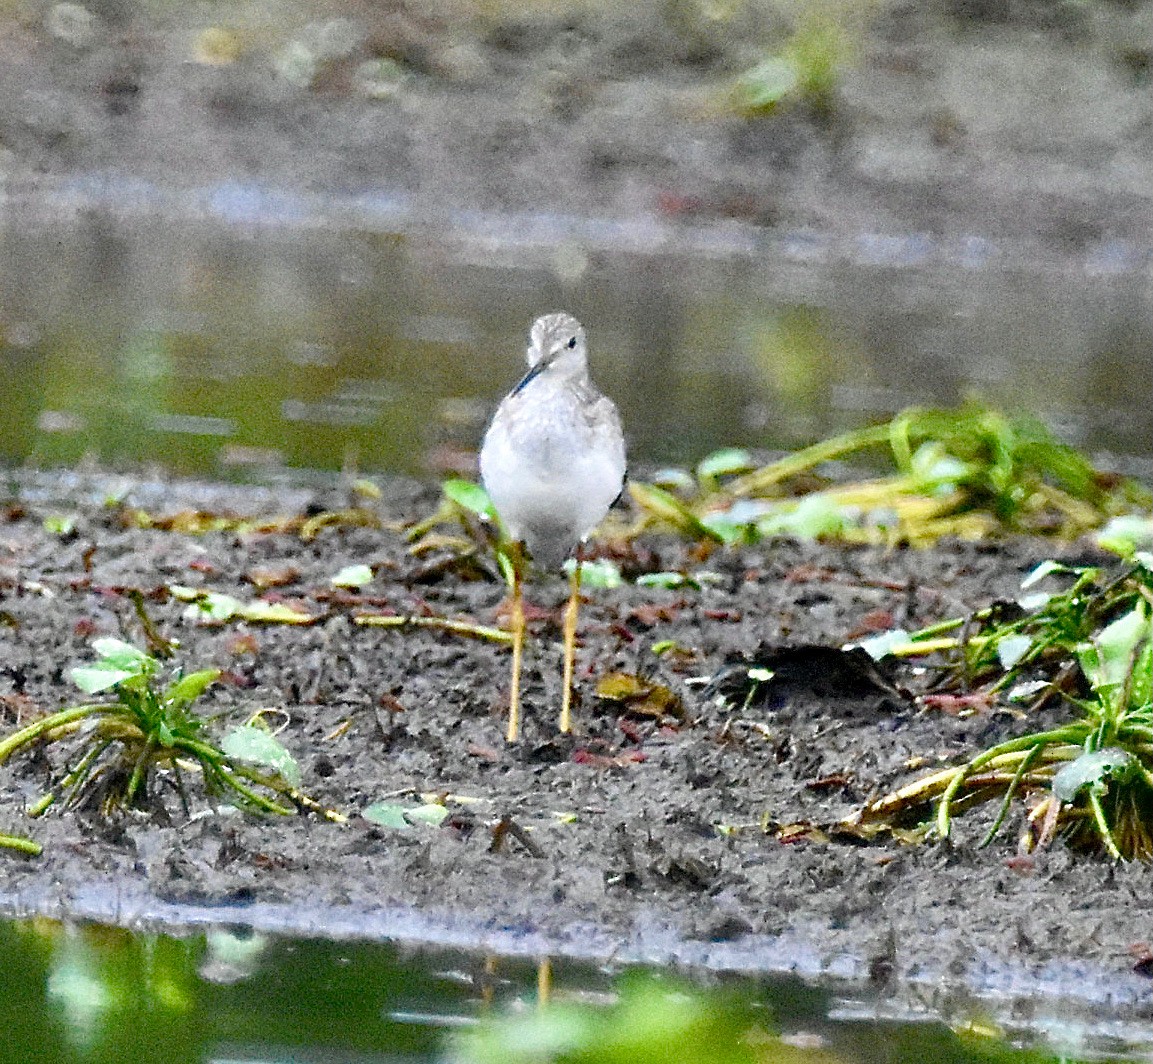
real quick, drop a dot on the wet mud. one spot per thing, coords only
(689, 840)
(962, 124)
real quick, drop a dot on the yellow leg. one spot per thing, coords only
(570, 629)
(517, 652)
(543, 982)
(487, 982)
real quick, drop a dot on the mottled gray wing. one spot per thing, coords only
(603, 417)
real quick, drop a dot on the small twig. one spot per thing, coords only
(333, 816)
(475, 631)
(357, 517)
(506, 827)
(157, 644)
(338, 731)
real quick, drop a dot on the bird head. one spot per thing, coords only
(557, 345)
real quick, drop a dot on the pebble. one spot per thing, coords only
(74, 24)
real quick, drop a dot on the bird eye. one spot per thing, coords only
(572, 342)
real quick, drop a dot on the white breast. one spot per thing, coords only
(550, 472)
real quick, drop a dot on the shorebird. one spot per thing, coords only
(553, 462)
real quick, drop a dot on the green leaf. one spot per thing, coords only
(258, 746)
(212, 607)
(433, 813)
(352, 576)
(597, 573)
(1032, 603)
(728, 531)
(387, 815)
(1027, 690)
(722, 463)
(931, 462)
(1126, 534)
(1092, 770)
(1107, 661)
(116, 662)
(91, 679)
(469, 496)
(189, 688)
(1046, 568)
(1012, 649)
(671, 580)
(877, 646)
(183, 593)
(260, 611)
(60, 524)
(115, 653)
(766, 84)
(674, 480)
(812, 517)
(665, 580)
(402, 817)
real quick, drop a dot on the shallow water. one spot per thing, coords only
(93, 993)
(294, 342)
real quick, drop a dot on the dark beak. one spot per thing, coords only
(530, 376)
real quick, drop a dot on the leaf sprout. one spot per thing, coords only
(149, 727)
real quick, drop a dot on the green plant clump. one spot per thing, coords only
(971, 472)
(146, 727)
(1093, 645)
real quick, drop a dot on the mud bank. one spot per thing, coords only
(634, 839)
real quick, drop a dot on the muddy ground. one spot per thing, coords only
(624, 852)
(1010, 121)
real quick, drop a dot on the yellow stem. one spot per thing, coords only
(446, 624)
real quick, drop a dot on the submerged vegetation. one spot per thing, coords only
(651, 1020)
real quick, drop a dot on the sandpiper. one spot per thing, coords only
(553, 462)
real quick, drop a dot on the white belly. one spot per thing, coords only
(552, 483)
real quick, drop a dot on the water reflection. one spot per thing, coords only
(100, 994)
(93, 993)
(239, 352)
